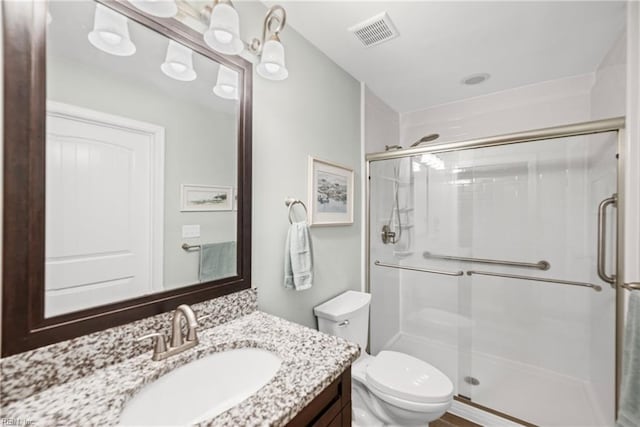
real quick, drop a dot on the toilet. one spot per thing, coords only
(392, 388)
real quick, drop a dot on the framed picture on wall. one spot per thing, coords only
(330, 193)
(200, 198)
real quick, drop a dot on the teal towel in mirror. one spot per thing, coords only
(217, 260)
(629, 412)
(298, 257)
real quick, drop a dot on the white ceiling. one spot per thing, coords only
(440, 43)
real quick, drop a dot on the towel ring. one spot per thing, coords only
(291, 203)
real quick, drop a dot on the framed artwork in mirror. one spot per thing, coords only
(206, 198)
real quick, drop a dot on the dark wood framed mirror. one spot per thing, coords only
(31, 204)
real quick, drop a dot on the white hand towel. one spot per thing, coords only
(298, 257)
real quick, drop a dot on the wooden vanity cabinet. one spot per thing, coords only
(331, 408)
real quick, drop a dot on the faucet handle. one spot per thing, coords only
(192, 334)
(160, 342)
(201, 318)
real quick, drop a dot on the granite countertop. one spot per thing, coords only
(310, 362)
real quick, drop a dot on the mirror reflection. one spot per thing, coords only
(141, 161)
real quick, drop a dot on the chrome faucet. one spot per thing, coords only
(177, 340)
(178, 343)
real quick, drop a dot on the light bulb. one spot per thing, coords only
(223, 36)
(227, 83)
(109, 37)
(271, 67)
(178, 67)
(178, 63)
(110, 32)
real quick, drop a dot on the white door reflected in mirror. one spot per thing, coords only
(125, 135)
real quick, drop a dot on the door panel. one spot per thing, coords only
(98, 210)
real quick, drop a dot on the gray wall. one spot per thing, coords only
(316, 112)
(200, 148)
(382, 123)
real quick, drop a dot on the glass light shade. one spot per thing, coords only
(159, 8)
(178, 63)
(272, 62)
(223, 34)
(111, 33)
(227, 83)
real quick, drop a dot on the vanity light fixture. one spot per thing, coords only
(178, 63)
(271, 53)
(159, 8)
(111, 32)
(223, 34)
(227, 83)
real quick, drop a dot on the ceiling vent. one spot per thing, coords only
(375, 30)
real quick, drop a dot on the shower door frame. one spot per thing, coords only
(615, 124)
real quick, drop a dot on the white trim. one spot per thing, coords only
(632, 147)
(156, 165)
(363, 187)
(479, 416)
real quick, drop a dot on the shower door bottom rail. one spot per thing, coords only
(423, 270)
(596, 288)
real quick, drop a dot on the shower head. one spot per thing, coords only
(392, 147)
(426, 138)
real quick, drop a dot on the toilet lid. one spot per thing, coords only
(408, 378)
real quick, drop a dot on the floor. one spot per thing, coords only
(510, 387)
(450, 420)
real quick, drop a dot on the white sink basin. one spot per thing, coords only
(202, 389)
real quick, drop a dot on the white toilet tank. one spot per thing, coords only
(346, 316)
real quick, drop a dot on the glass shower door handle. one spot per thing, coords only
(602, 243)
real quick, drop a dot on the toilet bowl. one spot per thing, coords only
(392, 388)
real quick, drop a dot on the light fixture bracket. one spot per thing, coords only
(274, 22)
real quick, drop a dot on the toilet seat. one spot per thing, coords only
(407, 382)
(411, 406)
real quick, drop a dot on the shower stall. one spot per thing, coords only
(495, 260)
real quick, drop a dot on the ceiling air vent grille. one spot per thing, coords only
(375, 30)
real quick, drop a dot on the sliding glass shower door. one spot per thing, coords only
(502, 292)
